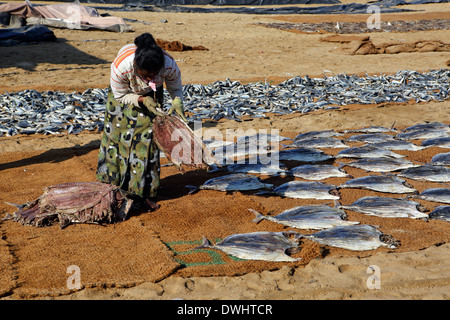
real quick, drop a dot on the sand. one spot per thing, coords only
(240, 50)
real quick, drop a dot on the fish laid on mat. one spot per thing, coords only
(442, 142)
(435, 194)
(422, 134)
(265, 245)
(354, 237)
(232, 182)
(381, 164)
(303, 155)
(397, 145)
(318, 172)
(315, 217)
(370, 137)
(317, 142)
(258, 168)
(387, 207)
(440, 213)
(432, 173)
(381, 183)
(441, 159)
(306, 190)
(372, 129)
(367, 152)
(316, 134)
(76, 202)
(180, 145)
(429, 125)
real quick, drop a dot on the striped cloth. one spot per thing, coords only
(126, 84)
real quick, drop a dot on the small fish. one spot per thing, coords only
(306, 190)
(427, 172)
(381, 164)
(232, 182)
(370, 137)
(380, 183)
(316, 134)
(442, 142)
(354, 237)
(258, 168)
(435, 194)
(440, 213)
(422, 134)
(318, 172)
(315, 217)
(430, 125)
(303, 155)
(367, 152)
(441, 159)
(264, 245)
(317, 142)
(397, 145)
(387, 207)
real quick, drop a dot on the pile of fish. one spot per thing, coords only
(52, 112)
(385, 169)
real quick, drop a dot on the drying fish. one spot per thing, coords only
(441, 159)
(306, 190)
(318, 172)
(440, 213)
(77, 202)
(354, 237)
(320, 142)
(367, 152)
(303, 155)
(314, 217)
(435, 194)
(387, 207)
(212, 143)
(430, 125)
(194, 152)
(397, 145)
(231, 153)
(232, 182)
(372, 129)
(381, 164)
(442, 142)
(316, 134)
(258, 168)
(381, 183)
(261, 137)
(434, 173)
(370, 137)
(268, 246)
(422, 134)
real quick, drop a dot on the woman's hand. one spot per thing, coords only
(151, 105)
(177, 106)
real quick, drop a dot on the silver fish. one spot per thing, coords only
(372, 129)
(317, 142)
(264, 245)
(430, 125)
(316, 134)
(440, 213)
(422, 134)
(367, 152)
(232, 182)
(303, 155)
(307, 190)
(258, 168)
(397, 145)
(380, 183)
(441, 159)
(381, 164)
(354, 237)
(370, 137)
(315, 217)
(227, 154)
(387, 207)
(442, 142)
(317, 172)
(426, 172)
(435, 194)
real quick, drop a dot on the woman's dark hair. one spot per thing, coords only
(149, 56)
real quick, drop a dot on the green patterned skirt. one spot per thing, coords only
(128, 156)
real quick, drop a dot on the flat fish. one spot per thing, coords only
(387, 207)
(380, 183)
(427, 172)
(316, 134)
(372, 129)
(261, 137)
(212, 143)
(317, 142)
(435, 194)
(227, 154)
(258, 168)
(264, 245)
(315, 217)
(354, 237)
(232, 182)
(430, 125)
(440, 213)
(381, 164)
(318, 172)
(370, 137)
(303, 155)
(442, 142)
(367, 152)
(441, 159)
(397, 145)
(422, 134)
(307, 190)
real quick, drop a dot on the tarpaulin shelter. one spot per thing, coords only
(65, 15)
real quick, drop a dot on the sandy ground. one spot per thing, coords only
(239, 50)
